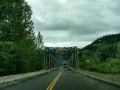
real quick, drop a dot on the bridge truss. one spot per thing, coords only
(56, 56)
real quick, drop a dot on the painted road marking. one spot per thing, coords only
(53, 82)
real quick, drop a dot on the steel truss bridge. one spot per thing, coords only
(56, 56)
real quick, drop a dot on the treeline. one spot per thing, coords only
(20, 49)
(103, 55)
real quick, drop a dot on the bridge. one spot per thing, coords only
(56, 56)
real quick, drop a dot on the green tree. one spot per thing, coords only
(16, 32)
(39, 41)
(15, 20)
(7, 62)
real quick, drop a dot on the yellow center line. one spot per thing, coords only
(53, 82)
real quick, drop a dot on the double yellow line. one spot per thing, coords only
(53, 82)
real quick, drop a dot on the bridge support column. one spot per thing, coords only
(72, 60)
(49, 60)
(76, 58)
(46, 58)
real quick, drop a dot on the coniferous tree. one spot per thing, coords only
(39, 41)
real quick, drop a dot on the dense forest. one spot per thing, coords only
(19, 47)
(102, 55)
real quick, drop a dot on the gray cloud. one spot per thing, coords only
(76, 22)
(115, 7)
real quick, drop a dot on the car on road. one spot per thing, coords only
(64, 65)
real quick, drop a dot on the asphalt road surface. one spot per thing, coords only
(59, 79)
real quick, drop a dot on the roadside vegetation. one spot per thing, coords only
(20, 49)
(102, 55)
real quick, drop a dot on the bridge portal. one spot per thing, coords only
(56, 56)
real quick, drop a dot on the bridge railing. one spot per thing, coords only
(113, 79)
(9, 78)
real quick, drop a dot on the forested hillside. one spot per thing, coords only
(102, 55)
(18, 42)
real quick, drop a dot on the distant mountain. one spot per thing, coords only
(103, 42)
(106, 45)
(103, 55)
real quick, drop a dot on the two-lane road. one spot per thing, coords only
(60, 79)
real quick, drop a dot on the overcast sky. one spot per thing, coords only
(66, 23)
